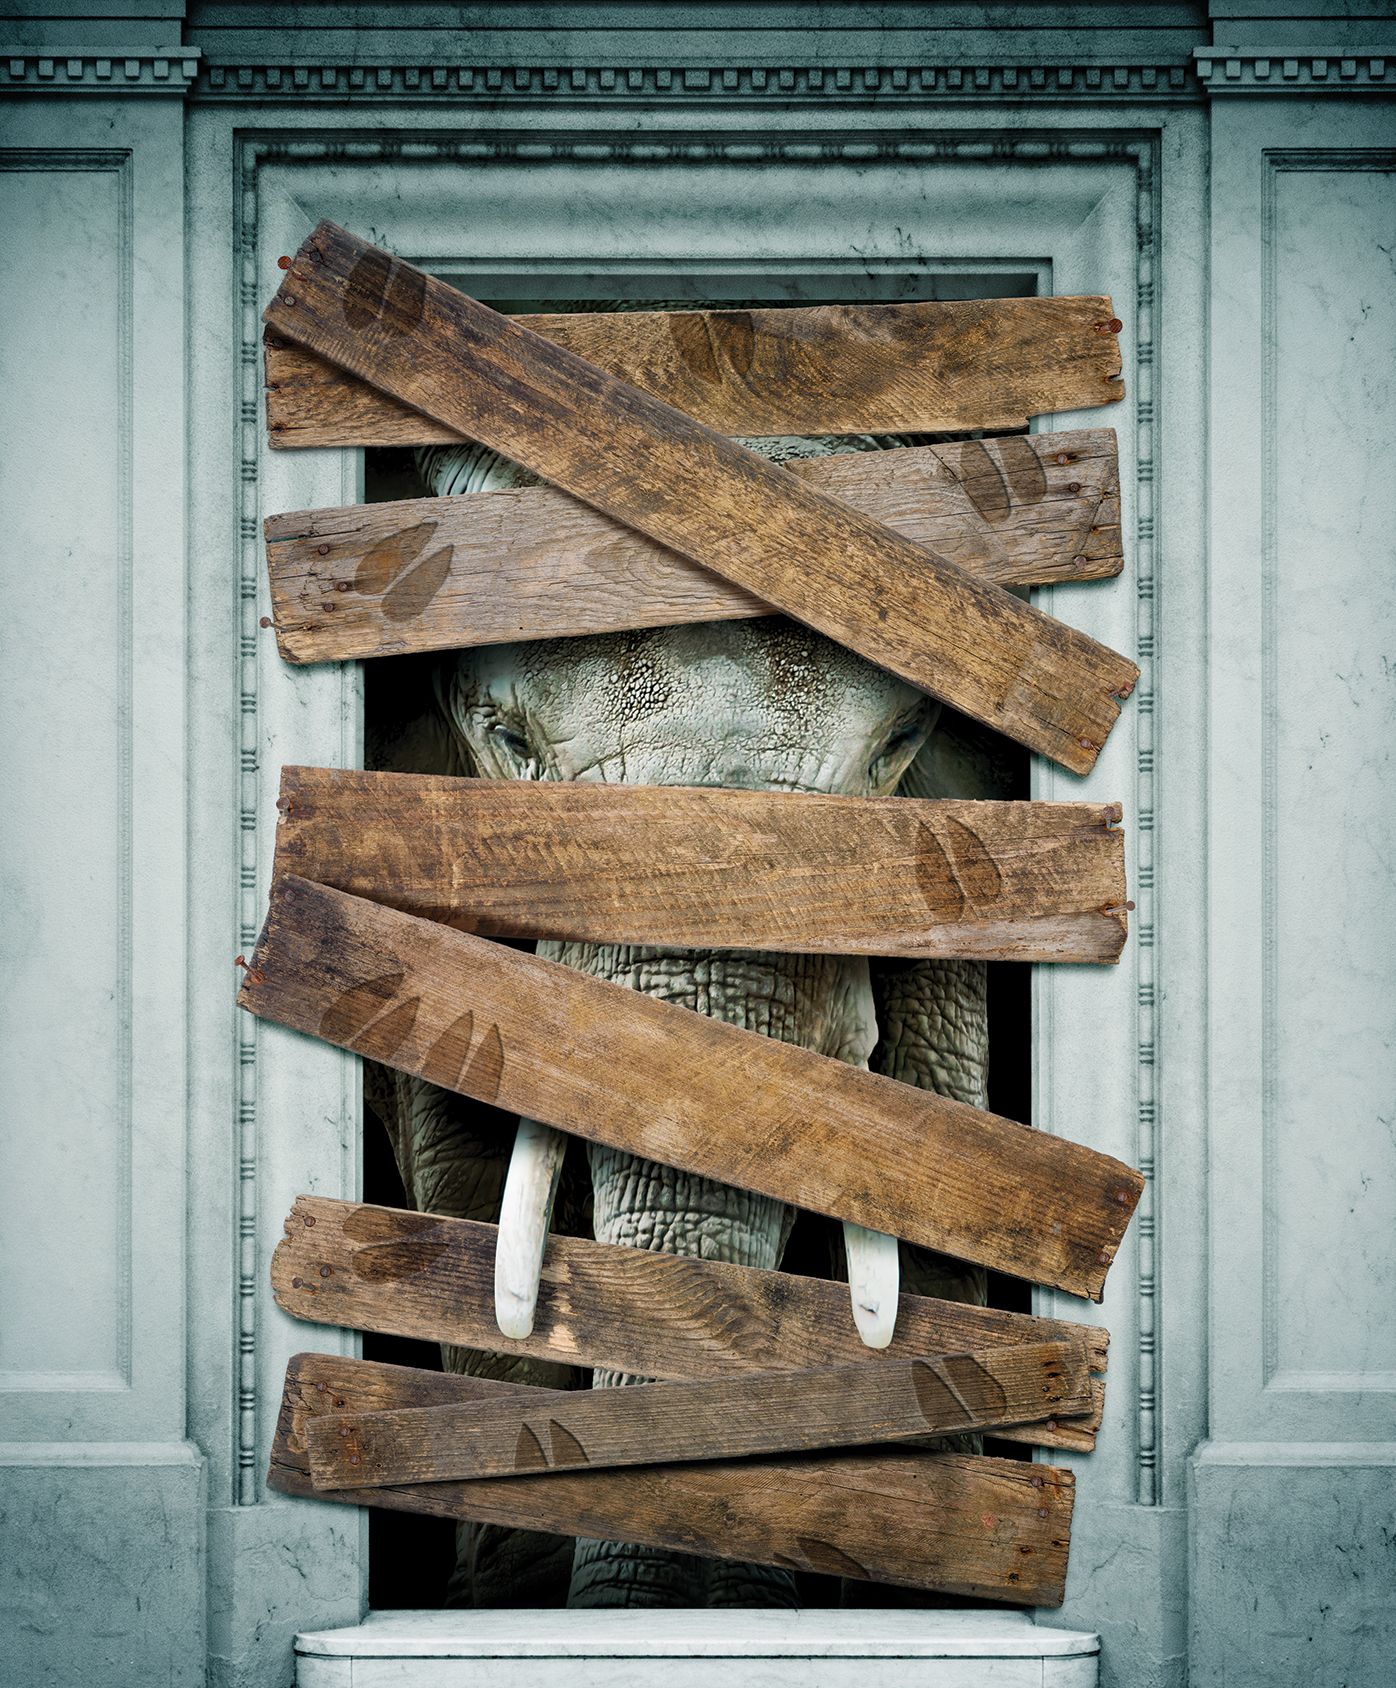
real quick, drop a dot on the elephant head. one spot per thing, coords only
(764, 704)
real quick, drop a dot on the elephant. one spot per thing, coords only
(762, 704)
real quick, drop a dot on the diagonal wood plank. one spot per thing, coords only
(963, 640)
(535, 563)
(652, 1315)
(997, 1529)
(822, 369)
(706, 867)
(593, 1058)
(718, 1418)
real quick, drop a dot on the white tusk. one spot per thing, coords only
(874, 1282)
(529, 1189)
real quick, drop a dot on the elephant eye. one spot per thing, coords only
(515, 744)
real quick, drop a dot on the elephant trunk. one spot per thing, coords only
(822, 1003)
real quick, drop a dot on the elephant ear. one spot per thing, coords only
(963, 759)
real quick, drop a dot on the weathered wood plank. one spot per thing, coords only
(652, 1315)
(988, 1528)
(535, 563)
(707, 867)
(637, 459)
(717, 1418)
(593, 1058)
(824, 369)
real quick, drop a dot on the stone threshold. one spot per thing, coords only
(621, 1648)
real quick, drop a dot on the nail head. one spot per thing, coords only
(296, 1284)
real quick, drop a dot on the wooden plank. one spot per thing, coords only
(964, 640)
(587, 1056)
(652, 1315)
(722, 1418)
(997, 1529)
(823, 369)
(706, 867)
(535, 563)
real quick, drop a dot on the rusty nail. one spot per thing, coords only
(283, 263)
(310, 1218)
(1112, 327)
(296, 1284)
(1123, 1197)
(1073, 486)
(1085, 743)
(1123, 691)
(344, 1429)
(1062, 457)
(341, 586)
(325, 1271)
(1042, 1512)
(353, 1459)
(278, 427)
(323, 550)
(265, 621)
(339, 1403)
(1051, 1424)
(1078, 562)
(322, 1387)
(1036, 1482)
(1104, 1258)
(288, 896)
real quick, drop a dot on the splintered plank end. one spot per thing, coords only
(695, 491)
(993, 1529)
(657, 1080)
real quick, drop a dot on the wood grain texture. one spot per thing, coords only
(535, 563)
(997, 1529)
(718, 1418)
(703, 867)
(591, 1057)
(823, 369)
(652, 1315)
(962, 639)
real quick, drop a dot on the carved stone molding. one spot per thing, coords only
(1348, 72)
(893, 84)
(168, 71)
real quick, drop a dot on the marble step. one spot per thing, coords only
(621, 1648)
